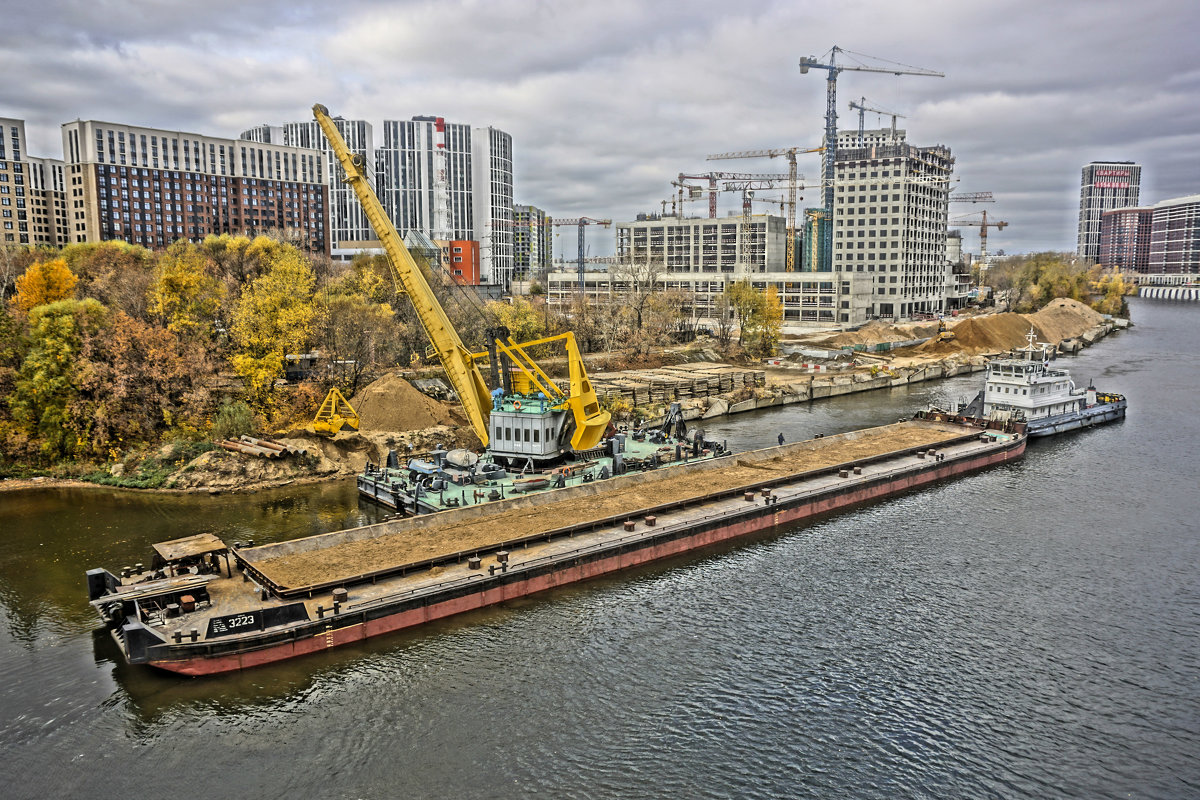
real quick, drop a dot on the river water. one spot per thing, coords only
(1029, 631)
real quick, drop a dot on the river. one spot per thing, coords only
(1032, 630)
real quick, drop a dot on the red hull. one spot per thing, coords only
(770, 516)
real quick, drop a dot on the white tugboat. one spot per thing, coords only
(1026, 387)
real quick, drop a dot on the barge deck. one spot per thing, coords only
(322, 591)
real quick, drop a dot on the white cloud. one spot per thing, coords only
(608, 102)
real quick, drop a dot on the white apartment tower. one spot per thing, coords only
(447, 181)
(349, 231)
(33, 202)
(1104, 185)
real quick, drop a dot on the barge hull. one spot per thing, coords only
(1088, 418)
(531, 578)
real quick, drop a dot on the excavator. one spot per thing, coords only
(943, 333)
(526, 416)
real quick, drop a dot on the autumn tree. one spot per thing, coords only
(47, 381)
(134, 382)
(45, 282)
(1031, 281)
(357, 334)
(14, 260)
(760, 315)
(743, 299)
(1112, 289)
(186, 295)
(637, 283)
(523, 319)
(722, 315)
(118, 274)
(274, 316)
(768, 324)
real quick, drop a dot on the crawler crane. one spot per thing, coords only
(527, 417)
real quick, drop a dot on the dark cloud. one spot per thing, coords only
(607, 102)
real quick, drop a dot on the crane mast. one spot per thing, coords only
(457, 360)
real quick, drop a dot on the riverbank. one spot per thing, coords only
(396, 416)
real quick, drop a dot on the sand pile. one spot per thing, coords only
(994, 333)
(347, 559)
(876, 332)
(393, 404)
(990, 334)
(1065, 319)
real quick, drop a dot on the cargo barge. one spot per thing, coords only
(204, 607)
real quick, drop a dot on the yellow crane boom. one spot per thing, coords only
(460, 364)
(456, 359)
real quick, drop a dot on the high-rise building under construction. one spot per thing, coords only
(889, 225)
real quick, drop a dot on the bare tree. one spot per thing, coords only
(638, 282)
(722, 311)
(14, 259)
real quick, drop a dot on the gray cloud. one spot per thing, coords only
(607, 102)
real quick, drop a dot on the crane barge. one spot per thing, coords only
(538, 435)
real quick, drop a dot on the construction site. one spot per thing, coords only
(878, 242)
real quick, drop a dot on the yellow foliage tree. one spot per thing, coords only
(524, 321)
(45, 282)
(761, 315)
(185, 293)
(274, 316)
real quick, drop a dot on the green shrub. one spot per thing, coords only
(233, 420)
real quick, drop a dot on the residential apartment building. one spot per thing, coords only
(889, 227)
(1175, 236)
(152, 187)
(449, 181)
(889, 256)
(33, 205)
(533, 242)
(1104, 186)
(349, 230)
(492, 172)
(1125, 239)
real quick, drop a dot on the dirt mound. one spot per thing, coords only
(989, 334)
(393, 404)
(994, 333)
(1065, 319)
(876, 332)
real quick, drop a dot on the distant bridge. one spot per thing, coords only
(1171, 292)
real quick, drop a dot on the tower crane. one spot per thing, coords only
(971, 197)
(983, 229)
(833, 69)
(575, 413)
(793, 177)
(580, 223)
(712, 178)
(862, 109)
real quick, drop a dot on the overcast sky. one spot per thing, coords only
(608, 101)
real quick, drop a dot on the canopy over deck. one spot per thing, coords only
(190, 547)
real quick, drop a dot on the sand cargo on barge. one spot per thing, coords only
(192, 612)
